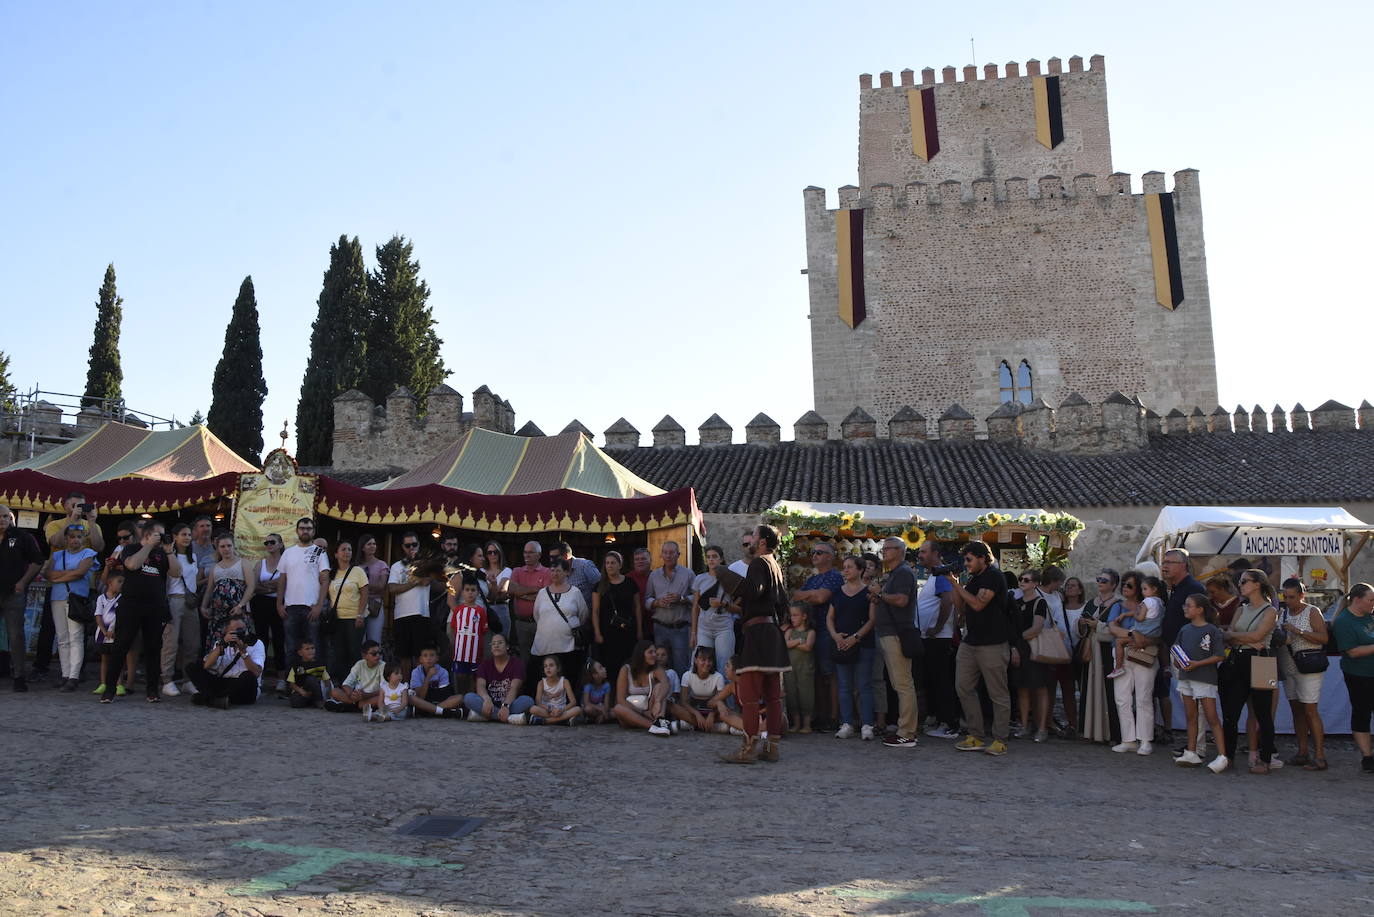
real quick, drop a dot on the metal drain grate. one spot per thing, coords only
(450, 826)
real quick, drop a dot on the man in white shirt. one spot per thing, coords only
(410, 609)
(935, 619)
(231, 672)
(302, 584)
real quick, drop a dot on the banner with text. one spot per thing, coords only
(1276, 542)
(270, 503)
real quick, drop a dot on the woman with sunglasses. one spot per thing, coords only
(496, 575)
(1248, 637)
(1032, 678)
(263, 607)
(377, 572)
(1133, 690)
(1098, 722)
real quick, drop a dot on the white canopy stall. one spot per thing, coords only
(1296, 532)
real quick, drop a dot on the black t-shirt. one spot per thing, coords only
(1173, 610)
(17, 550)
(992, 624)
(148, 585)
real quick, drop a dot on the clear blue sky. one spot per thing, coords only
(597, 191)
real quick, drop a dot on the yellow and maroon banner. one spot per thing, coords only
(270, 503)
(1049, 115)
(1168, 270)
(849, 250)
(925, 135)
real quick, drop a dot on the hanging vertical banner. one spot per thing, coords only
(849, 248)
(1049, 116)
(1159, 219)
(925, 136)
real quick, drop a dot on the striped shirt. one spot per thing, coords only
(468, 623)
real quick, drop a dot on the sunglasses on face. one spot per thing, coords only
(411, 544)
(1103, 580)
(1027, 579)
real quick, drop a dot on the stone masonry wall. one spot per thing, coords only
(391, 436)
(986, 125)
(961, 276)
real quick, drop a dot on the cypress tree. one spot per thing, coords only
(6, 384)
(104, 378)
(239, 389)
(198, 418)
(403, 346)
(337, 350)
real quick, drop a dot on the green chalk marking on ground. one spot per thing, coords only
(998, 905)
(315, 860)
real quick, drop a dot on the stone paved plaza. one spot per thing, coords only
(173, 809)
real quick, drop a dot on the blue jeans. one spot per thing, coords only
(299, 628)
(676, 638)
(862, 671)
(473, 701)
(717, 634)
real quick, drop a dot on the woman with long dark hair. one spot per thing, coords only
(1248, 639)
(615, 615)
(1098, 722)
(266, 622)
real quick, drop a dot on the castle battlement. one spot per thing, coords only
(1097, 64)
(1110, 189)
(392, 435)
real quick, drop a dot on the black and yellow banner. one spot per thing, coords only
(925, 136)
(1159, 219)
(849, 249)
(1049, 115)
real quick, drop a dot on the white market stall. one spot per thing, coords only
(1296, 534)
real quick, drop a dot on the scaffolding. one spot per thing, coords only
(35, 421)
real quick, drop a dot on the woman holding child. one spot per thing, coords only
(1137, 634)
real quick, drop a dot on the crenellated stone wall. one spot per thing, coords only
(375, 436)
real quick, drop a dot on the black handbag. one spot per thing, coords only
(1310, 662)
(913, 647)
(582, 633)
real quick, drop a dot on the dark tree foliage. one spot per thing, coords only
(403, 348)
(239, 389)
(338, 350)
(104, 378)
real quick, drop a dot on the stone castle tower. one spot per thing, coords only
(990, 254)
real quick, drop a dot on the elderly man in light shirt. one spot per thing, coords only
(668, 598)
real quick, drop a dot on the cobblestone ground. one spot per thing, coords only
(173, 809)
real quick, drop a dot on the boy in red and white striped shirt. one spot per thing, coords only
(467, 624)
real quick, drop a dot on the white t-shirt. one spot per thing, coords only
(411, 602)
(701, 689)
(394, 699)
(186, 583)
(256, 652)
(301, 565)
(928, 606)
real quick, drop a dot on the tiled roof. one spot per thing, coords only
(365, 477)
(1202, 468)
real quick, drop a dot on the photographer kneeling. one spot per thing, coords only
(231, 673)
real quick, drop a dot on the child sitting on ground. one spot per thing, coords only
(800, 683)
(430, 691)
(553, 697)
(596, 695)
(1147, 620)
(105, 606)
(467, 623)
(700, 687)
(308, 680)
(726, 704)
(364, 682)
(1203, 645)
(393, 701)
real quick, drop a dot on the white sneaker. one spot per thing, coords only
(281, 685)
(1116, 673)
(1145, 748)
(367, 714)
(734, 731)
(1219, 764)
(475, 717)
(517, 719)
(674, 726)
(188, 688)
(845, 731)
(684, 726)
(941, 732)
(1125, 747)
(867, 733)
(1188, 759)
(660, 728)
(1275, 763)
(170, 690)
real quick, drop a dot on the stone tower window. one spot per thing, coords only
(1015, 389)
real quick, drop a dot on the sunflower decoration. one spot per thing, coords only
(913, 537)
(846, 523)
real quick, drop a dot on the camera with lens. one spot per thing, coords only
(945, 569)
(85, 508)
(166, 538)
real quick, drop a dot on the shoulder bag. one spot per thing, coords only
(78, 606)
(582, 633)
(331, 613)
(913, 647)
(1048, 646)
(1310, 662)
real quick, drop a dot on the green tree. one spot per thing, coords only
(198, 418)
(338, 350)
(403, 348)
(104, 378)
(239, 389)
(6, 384)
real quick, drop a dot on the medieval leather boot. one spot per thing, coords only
(769, 752)
(746, 754)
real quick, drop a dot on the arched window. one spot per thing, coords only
(1014, 389)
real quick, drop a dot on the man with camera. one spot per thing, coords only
(83, 516)
(143, 608)
(231, 673)
(985, 651)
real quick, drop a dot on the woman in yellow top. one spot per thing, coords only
(348, 601)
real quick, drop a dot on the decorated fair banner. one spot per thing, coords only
(1273, 542)
(271, 502)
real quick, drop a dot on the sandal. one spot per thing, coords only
(1316, 764)
(1301, 760)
